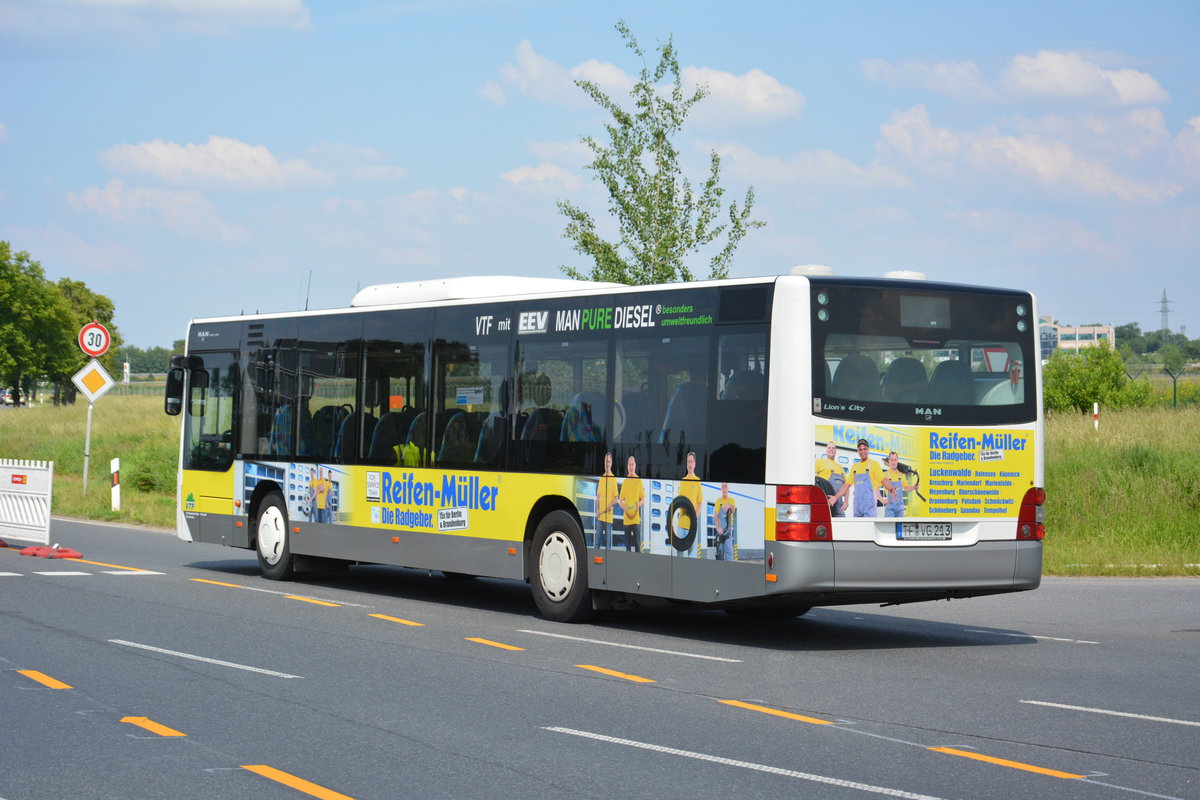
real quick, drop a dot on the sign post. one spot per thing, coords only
(92, 381)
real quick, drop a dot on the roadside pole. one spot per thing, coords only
(92, 381)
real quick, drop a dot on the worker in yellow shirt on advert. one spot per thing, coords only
(866, 476)
(633, 497)
(725, 518)
(606, 498)
(690, 488)
(827, 468)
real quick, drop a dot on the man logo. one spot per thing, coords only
(929, 413)
(533, 321)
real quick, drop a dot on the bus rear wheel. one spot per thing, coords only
(559, 569)
(271, 539)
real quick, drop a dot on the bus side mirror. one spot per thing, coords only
(173, 403)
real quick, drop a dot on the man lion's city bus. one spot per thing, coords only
(755, 445)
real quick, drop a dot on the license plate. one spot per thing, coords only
(923, 531)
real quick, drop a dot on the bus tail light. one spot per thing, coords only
(1032, 516)
(802, 514)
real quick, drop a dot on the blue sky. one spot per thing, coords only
(202, 158)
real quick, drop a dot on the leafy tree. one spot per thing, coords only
(1173, 359)
(87, 306)
(40, 322)
(1093, 374)
(150, 360)
(662, 219)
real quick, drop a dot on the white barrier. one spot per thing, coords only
(25, 493)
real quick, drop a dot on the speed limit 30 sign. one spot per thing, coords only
(94, 339)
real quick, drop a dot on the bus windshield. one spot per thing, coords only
(907, 355)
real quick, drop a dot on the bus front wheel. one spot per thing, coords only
(559, 569)
(271, 535)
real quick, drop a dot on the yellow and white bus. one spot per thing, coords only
(758, 445)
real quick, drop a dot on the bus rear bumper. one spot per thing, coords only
(864, 572)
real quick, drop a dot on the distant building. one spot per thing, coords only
(1048, 333)
(1073, 337)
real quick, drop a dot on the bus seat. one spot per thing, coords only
(952, 384)
(640, 419)
(461, 438)
(544, 423)
(686, 414)
(279, 443)
(345, 446)
(856, 378)
(390, 432)
(744, 385)
(326, 423)
(539, 438)
(306, 441)
(493, 434)
(413, 450)
(828, 377)
(585, 418)
(905, 382)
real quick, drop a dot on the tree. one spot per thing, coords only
(662, 220)
(40, 322)
(1092, 375)
(86, 306)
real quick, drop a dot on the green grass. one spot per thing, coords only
(1124, 501)
(133, 429)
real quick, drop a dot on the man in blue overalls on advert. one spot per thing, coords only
(866, 477)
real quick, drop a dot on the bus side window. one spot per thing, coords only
(738, 430)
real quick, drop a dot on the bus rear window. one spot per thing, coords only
(945, 355)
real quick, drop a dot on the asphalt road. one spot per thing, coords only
(154, 668)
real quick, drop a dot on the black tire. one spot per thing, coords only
(558, 569)
(272, 539)
(685, 542)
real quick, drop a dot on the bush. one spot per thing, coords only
(1092, 375)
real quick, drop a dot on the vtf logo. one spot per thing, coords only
(533, 321)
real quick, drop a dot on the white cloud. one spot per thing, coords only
(754, 96)
(355, 163)
(575, 152)
(1042, 159)
(187, 213)
(815, 166)
(1187, 144)
(547, 81)
(957, 79)
(912, 134)
(544, 175)
(1068, 75)
(218, 162)
(1047, 74)
(606, 75)
(1133, 135)
(533, 75)
(1032, 233)
(493, 92)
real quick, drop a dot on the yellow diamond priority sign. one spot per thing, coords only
(93, 381)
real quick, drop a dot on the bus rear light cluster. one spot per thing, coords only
(802, 514)
(1032, 516)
